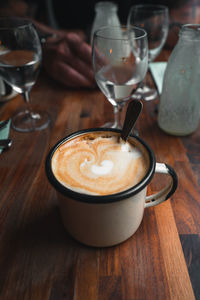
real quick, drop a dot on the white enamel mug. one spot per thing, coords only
(103, 221)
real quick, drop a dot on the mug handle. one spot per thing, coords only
(166, 192)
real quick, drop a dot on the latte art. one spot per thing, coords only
(98, 164)
(104, 168)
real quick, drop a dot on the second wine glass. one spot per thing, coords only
(120, 61)
(155, 20)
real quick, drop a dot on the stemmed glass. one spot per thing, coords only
(155, 20)
(120, 60)
(20, 61)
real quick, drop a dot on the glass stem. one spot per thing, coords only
(117, 116)
(26, 97)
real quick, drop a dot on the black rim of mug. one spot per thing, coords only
(97, 198)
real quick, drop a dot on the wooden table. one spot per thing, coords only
(39, 260)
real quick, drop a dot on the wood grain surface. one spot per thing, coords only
(40, 261)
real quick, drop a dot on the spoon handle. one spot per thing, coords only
(133, 111)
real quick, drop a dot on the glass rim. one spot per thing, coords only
(23, 23)
(97, 32)
(157, 7)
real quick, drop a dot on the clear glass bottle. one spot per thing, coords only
(105, 15)
(179, 108)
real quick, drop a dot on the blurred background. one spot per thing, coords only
(79, 14)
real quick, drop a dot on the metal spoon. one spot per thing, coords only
(5, 144)
(133, 111)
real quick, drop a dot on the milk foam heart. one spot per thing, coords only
(104, 168)
(97, 163)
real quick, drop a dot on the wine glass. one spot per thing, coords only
(20, 61)
(120, 61)
(155, 20)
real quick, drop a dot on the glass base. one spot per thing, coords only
(111, 125)
(26, 121)
(115, 125)
(146, 93)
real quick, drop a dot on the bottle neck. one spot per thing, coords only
(190, 32)
(106, 7)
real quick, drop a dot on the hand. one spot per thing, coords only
(67, 59)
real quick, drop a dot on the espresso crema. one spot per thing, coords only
(98, 164)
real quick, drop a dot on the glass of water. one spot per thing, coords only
(20, 61)
(120, 61)
(155, 20)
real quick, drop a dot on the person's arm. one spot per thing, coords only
(66, 57)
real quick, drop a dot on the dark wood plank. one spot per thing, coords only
(191, 246)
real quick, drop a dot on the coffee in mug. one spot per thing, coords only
(101, 183)
(99, 163)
